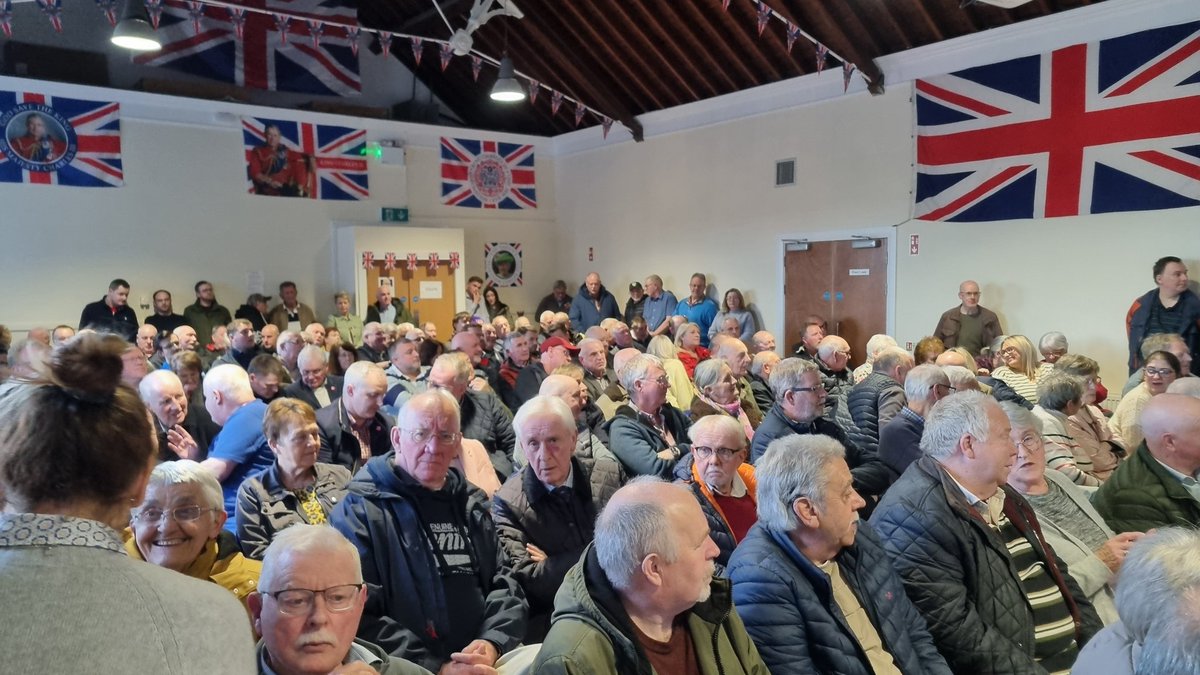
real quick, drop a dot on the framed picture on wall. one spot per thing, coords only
(502, 264)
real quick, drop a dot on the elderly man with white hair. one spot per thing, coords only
(833, 358)
(597, 376)
(354, 428)
(162, 392)
(545, 512)
(900, 439)
(760, 379)
(958, 534)
(813, 583)
(588, 444)
(873, 402)
(241, 448)
(644, 597)
(1158, 591)
(876, 344)
(721, 480)
(316, 387)
(301, 635)
(442, 593)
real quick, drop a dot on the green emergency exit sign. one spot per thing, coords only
(393, 214)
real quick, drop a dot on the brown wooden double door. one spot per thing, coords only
(846, 286)
(407, 287)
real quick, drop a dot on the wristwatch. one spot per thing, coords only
(676, 451)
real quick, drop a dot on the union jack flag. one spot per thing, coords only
(1100, 127)
(59, 141)
(333, 166)
(487, 174)
(262, 57)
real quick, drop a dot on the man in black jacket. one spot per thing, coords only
(996, 597)
(545, 513)
(112, 313)
(316, 387)
(352, 428)
(440, 589)
(799, 402)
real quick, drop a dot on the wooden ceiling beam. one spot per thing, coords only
(821, 24)
(647, 81)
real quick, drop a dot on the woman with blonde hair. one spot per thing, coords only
(688, 349)
(1021, 368)
(680, 391)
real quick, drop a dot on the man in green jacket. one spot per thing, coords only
(1158, 485)
(206, 314)
(643, 599)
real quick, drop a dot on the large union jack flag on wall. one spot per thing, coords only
(209, 45)
(487, 174)
(1101, 127)
(299, 159)
(59, 141)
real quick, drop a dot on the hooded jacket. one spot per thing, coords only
(584, 313)
(406, 611)
(590, 631)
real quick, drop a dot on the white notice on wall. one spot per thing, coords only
(431, 290)
(860, 272)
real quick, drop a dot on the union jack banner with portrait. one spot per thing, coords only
(488, 174)
(300, 159)
(1102, 127)
(247, 48)
(51, 140)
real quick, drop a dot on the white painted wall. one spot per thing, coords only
(184, 215)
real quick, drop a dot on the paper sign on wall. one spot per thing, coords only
(860, 272)
(431, 290)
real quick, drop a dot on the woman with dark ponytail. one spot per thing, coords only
(76, 450)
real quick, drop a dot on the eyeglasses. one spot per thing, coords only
(1009, 350)
(1029, 442)
(803, 389)
(1159, 372)
(299, 601)
(661, 380)
(704, 452)
(181, 514)
(948, 387)
(422, 436)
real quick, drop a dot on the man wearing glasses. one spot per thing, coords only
(721, 480)
(441, 592)
(799, 403)
(970, 325)
(302, 633)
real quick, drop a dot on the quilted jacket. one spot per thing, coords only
(958, 573)
(787, 605)
(873, 403)
(1141, 494)
(637, 444)
(526, 513)
(870, 475)
(485, 419)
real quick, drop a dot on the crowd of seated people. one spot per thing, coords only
(657, 490)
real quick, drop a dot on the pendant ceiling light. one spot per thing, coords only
(134, 31)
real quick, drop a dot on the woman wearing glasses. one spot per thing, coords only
(179, 526)
(296, 488)
(76, 450)
(1021, 368)
(1126, 423)
(1072, 527)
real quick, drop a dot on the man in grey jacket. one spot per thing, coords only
(301, 635)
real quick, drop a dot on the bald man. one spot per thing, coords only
(1157, 486)
(969, 325)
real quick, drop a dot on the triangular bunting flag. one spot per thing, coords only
(196, 12)
(454, 260)
(447, 53)
(237, 16)
(53, 10)
(154, 7)
(556, 100)
(6, 17)
(109, 7)
(822, 52)
(389, 261)
(847, 71)
(385, 43)
(764, 16)
(534, 87)
(418, 47)
(579, 110)
(281, 25)
(315, 30)
(352, 34)
(368, 259)
(793, 32)
(476, 66)
(606, 124)
(433, 262)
